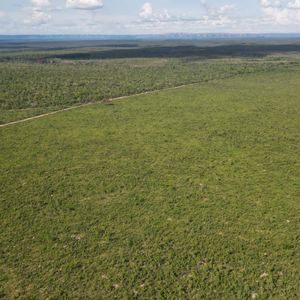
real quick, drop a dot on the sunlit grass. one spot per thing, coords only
(188, 193)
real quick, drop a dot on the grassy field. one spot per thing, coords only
(36, 78)
(183, 194)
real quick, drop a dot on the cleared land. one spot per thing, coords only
(191, 193)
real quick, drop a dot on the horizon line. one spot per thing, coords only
(167, 33)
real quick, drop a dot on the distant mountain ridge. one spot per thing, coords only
(169, 36)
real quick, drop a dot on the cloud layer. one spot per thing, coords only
(281, 12)
(40, 3)
(84, 4)
(37, 17)
(152, 16)
(213, 17)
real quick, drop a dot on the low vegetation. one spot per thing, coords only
(36, 80)
(190, 193)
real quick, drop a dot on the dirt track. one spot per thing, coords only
(99, 102)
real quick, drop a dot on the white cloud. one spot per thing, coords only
(218, 16)
(227, 8)
(146, 11)
(274, 16)
(2, 14)
(162, 21)
(265, 3)
(218, 10)
(281, 12)
(149, 15)
(294, 4)
(40, 3)
(37, 17)
(84, 4)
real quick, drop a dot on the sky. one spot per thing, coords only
(148, 17)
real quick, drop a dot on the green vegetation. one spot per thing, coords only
(36, 79)
(190, 193)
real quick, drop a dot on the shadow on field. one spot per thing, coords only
(241, 50)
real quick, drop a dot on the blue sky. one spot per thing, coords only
(153, 16)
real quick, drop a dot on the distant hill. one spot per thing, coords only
(169, 36)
